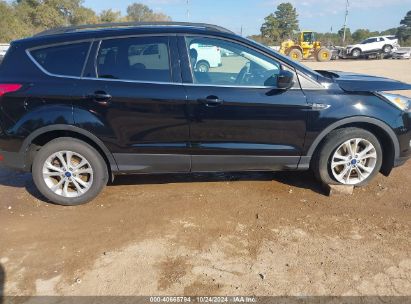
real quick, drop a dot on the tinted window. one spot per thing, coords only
(220, 62)
(370, 40)
(141, 58)
(65, 60)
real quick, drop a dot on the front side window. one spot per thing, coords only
(220, 62)
(140, 58)
(65, 60)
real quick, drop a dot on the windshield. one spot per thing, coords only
(308, 37)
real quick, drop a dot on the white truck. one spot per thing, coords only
(374, 45)
(209, 56)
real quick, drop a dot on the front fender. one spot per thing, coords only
(351, 120)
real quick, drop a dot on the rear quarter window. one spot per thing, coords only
(65, 60)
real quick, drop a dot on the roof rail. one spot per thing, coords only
(71, 29)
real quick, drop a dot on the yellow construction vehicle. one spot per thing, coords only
(306, 47)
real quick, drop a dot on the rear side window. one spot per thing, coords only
(65, 60)
(138, 58)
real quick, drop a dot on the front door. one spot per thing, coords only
(240, 120)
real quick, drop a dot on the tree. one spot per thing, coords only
(407, 20)
(281, 24)
(269, 29)
(360, 35)
(287, 19)
(404, 31)
(348, 36)
(110, 16)
(84, 15)
(11, 26)
(141, 13)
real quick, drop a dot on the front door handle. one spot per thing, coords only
(211, 101)
(100, 97)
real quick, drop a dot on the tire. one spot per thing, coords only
(93, 177)
(335, 144)
(203, 67)
(356, 53)
(387, 49)
(296, 55)
(323, 54)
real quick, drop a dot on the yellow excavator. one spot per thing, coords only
(307, 47)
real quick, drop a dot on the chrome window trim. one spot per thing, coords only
(29, 50)
(296, 71)
(99, 40)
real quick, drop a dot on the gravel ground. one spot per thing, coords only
(213, 234)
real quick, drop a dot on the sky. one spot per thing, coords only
(248, 15)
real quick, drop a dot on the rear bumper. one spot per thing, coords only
(13, 160)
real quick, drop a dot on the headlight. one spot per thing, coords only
(401, 102)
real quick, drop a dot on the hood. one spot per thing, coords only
(352, 82)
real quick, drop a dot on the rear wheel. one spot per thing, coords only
(69, 172)
(348, 156)
(296, 55)
(203, 67)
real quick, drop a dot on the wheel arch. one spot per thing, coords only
(298, 47)
(43, 135)
(203, 61)
(383, 132)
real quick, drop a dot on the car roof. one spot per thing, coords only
(80, 32)
(111, 30)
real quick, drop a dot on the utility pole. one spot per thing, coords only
(345, 20)
(188, 10)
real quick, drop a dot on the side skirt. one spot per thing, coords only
(178, 163)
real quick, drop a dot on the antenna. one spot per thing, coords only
(345, 20)
(188, 10)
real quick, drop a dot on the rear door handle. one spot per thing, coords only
(100, 97)
(211, 101)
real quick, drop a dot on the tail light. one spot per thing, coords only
(9, 87)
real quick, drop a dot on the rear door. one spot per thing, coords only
(131, 97)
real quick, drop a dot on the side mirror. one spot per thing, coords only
(285, 80)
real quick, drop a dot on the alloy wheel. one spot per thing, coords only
(68, 174)
(354, 161)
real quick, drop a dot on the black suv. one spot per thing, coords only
(80, 105)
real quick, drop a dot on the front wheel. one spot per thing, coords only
(69, 172)
(323, 54)
(348, 156)
(356, 53)
(387, 49)
(296, 55)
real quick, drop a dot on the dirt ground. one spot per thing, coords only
(213, 234)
